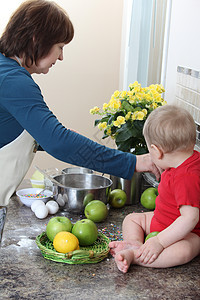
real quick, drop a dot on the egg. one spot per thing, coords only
(41, 211)
(36, 203)
(52, 206)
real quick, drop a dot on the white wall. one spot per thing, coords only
(184, 42)
(90, 71)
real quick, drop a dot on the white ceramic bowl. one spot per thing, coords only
(37, 184)
(27, 196)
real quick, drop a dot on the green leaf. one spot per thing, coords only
(138, 108)
(104, 119)
(125, 132)
(124, 146)
(127, 106)
(117, 114)
(110, 120)
(105, 136)
(141, 150)
(96, 122)
(138, 126)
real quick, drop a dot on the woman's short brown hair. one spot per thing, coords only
(34, 28)
(170, 127)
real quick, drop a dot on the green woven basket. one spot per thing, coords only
(86, 255)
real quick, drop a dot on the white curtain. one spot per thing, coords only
(143, 55)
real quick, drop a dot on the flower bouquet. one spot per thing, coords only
(123, 117)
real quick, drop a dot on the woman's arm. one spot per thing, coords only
(23, 101)
(24, 108)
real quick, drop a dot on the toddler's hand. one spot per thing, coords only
(149, 251)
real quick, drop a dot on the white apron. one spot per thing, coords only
(15, 160)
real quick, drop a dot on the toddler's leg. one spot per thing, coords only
(134, 227)
(177, 254)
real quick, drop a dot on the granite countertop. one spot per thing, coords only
(25, 274)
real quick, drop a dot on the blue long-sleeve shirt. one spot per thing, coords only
(22, 107)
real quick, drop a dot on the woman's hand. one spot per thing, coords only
(149, 251)
(145, 164)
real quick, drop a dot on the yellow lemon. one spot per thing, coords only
(65, 242)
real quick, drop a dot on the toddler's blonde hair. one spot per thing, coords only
(171, 127)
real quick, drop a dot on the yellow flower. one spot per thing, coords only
(154, 105)
(133, 85)
(158, 98)
(134, 115)
(153, 93)
(130, 93)
(137, 89)
(152, 87)
(105, 106)
(116, 94)
(132, 99)
(102, 126)
(114, 103)
(145, 89)
(148, 97)
(140, 96)
(159, 88)
(144, 111)
(123, 94)
(127, 116)
(108, 132)
(112, 98)
(120, 121)
(94, 110)
(138, 115)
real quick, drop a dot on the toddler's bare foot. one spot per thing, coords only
(124, 259)
(117, 246)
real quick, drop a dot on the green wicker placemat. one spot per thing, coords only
(86, 255)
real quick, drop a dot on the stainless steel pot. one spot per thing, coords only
(77, 170)
(79, 188)
(151, 180)
(132, 187)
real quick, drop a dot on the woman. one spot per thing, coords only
(32, 43)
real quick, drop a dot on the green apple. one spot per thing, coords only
(88, 198)
(117, 198)
(86, 232)
(57, 224)
(151, 234)
(96, 211)
(148, 198)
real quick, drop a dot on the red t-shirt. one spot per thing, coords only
(178, 186)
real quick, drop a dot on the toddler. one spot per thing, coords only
(170, 134)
